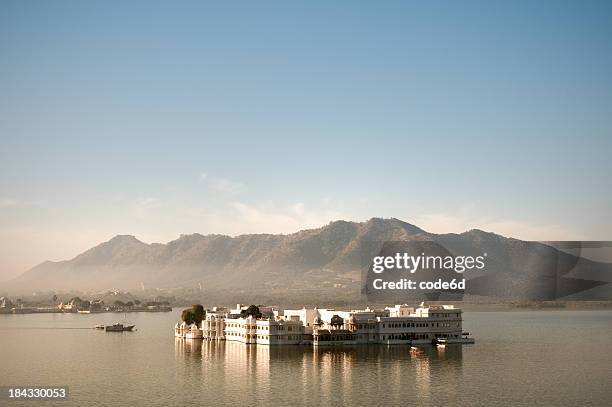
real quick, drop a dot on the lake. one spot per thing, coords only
(526, 358)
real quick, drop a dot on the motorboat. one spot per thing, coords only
(118, 327)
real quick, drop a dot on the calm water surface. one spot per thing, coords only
(550, 358)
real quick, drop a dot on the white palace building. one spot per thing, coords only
(400, 324)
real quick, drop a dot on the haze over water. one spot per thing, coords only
(561, 358)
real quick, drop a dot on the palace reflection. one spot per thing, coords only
(318, 374)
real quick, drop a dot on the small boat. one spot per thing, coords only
(100, 326)
(118, 328)
(415, 351)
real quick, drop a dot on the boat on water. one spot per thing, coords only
(416, 351)
(118, 327)
(100, 326)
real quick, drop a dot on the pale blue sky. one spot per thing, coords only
(161, 118)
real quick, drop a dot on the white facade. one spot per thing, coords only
(268, 331)
(399, 324)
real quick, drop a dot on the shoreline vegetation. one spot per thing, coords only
(66, 304)
(124, 301)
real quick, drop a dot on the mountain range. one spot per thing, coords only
(328, 258)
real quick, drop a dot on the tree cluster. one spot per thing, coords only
(252, 310)
(193, 315)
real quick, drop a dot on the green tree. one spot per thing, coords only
(76, 301)
(253, 310)
(198, 313)
(188, 316)
(137, 302)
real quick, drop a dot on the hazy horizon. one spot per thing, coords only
(224, 234)
(155, 120)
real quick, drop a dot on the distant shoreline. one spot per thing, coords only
(466, 306)
(49, 310)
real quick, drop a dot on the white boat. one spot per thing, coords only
(416, 351)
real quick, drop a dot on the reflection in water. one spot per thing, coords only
(189, 354)
(320, 375)
(188, 348)
(511, 364)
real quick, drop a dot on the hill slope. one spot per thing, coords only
(327, 257)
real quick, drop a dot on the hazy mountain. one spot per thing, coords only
(328, 257)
